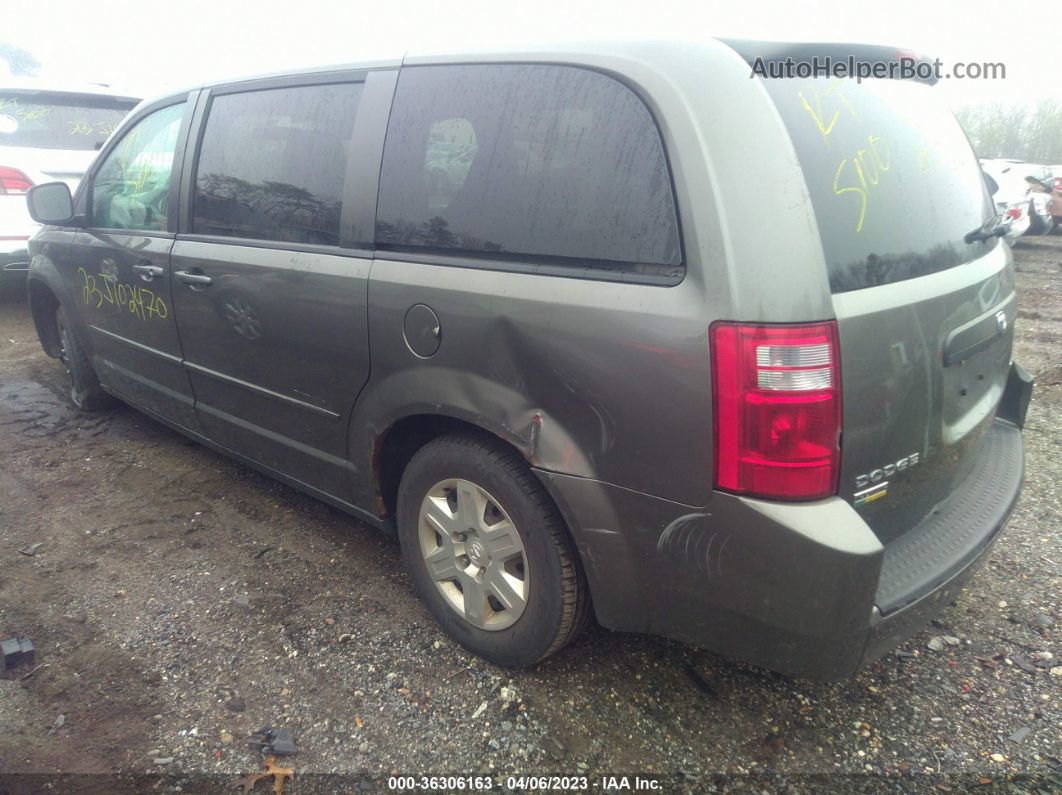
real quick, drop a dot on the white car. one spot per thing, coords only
(48, 133)
(1012, 204)
(1012, 198)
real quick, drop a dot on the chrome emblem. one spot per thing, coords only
(875, 476)
(1001, 320)
(870, 495)
(477, 553)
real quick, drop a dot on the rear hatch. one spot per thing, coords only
(925, 318)
(54, 135)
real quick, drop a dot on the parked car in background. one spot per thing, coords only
(48, 132)
(1041, 221)
(1042, 182)
(1024, 199)
(1010, 196)
(1056, 195)
(1041, 173)
(510, 307)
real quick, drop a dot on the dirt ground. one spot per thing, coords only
(180, 601)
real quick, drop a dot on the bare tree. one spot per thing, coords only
(1031, 132)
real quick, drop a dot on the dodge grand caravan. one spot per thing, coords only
(617, 330)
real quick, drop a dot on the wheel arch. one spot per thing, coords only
(395, 446)
(385, 420)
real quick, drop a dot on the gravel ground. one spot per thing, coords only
(180, 601)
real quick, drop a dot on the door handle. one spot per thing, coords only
(147, 271)
(194, 279)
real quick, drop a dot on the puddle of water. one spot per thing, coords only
(33, 409)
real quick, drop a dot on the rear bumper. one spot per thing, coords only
(923, 571)
(14, 266)
(804, 589)
(16, 225)
(1017, 228)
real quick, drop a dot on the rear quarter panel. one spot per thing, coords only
(589, 378)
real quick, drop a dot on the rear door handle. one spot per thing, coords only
(193, 278)
(147, 271)
(977, 335)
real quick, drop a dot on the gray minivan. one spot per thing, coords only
(618, 330)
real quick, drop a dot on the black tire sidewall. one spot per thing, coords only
(534, 633)
(85, 391)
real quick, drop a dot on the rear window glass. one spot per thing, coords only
(526, 162)
(272, 163)
(55, 121)
(893, 180)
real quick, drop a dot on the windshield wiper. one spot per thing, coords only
(985, 232)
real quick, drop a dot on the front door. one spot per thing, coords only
(271, 309)
(119, 268)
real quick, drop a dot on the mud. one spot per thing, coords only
(180, 601)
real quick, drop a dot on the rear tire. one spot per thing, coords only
(504, 578)
(85, 390)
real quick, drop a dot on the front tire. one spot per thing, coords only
(488, 551)
(85, 390)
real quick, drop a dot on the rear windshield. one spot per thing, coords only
(893, 180)
(55, 121)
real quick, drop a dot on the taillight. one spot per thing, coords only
(13, 181)
(776, 395)
(1015, 213)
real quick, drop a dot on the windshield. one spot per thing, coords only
(893, 180)
(43, 120)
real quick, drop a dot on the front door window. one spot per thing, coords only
(131, 189)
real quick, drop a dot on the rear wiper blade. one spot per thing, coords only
(985, 232)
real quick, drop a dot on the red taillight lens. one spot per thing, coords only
(776, 394)
(1014, 212)
(13, 181)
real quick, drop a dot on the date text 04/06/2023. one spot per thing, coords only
(540, 783)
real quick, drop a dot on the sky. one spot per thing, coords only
(150, 47)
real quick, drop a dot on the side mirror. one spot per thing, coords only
(50, 203)
(993, 186)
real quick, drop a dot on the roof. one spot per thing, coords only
(64, 87)
(650, 53)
